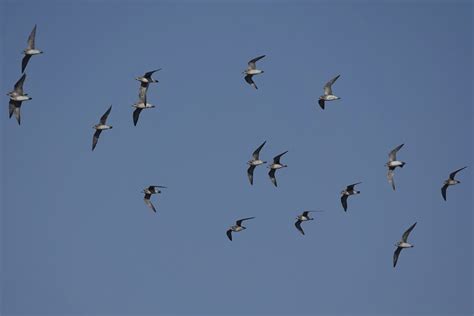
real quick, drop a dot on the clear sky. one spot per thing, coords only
(77, 237)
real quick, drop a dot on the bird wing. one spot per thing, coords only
(328, 85)
(148, 202)
(321, 103)
(136, 115)
(306, 213)
(250, 174)
(18, 88)
(249, 80)
(350, 187)
(148, 74)
(298, 226)
(256, 153)
(252, 63)
(95, 138)
(443, 191)
(142, 90)
(276, 159)
(453, 174)
(229, 234)
(390, 178)
(103, 119)
(31, 39)
(239, 222)
(344, 202)
(14, 108)
(24, 62)
(271, 173)
(392, 156)
(395, 255)
(407, 232)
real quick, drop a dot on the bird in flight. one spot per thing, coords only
(139, 106)
(145, 80)
(275, 166)
(252, 71)
(402, 244)
(254, 162)
(17, 96)
(100, 127)
(303, 218)
(348, 191)
(328, 95)
(392, 164)
(30, 50)
(149, 191)
(450, 181)
(237, 227)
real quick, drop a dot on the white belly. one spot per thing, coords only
(395, 163)
(32, 52)
(405, 245)
(276, 166)
(19, 98)
(256, 162)
(102, 127)
(330, 97)
(254, 72)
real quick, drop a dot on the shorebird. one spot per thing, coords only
(145, 80)
(252, 70)
(255, 161)
(100, 127)
(328, 96)
(348, 191)
(149, 191)
(139, 106)
(30, 50)
(303, 218)
(450, 181)
(392, 164)
(17, 96)
(275, 166)
(237, 227)
(402, 244)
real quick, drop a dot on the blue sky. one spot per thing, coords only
(77, 237)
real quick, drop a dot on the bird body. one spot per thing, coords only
(402, 244)
(328, 94)
(237, 227)
(30, 50)
(392, 164)
(102, 125)
(450, 181)
(252, 71)
(348, 191)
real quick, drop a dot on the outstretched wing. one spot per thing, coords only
(249, 80)
(14, 107)
(252, 63)
(24, 62)
(298, 226)
(328, 85)
(239, 222)
(250, 174)
(321, 103)
(148, 202)
(407, 232)
(103, 119)
(148, 74)
(453, 174)
(350, 187)
(390, 178)
(31, 39)
(443, 191)
(392, 156)
(395, 255)
(276, 159)
(256, 153)
(142, 90)
(271, 173)
(18, 88)
(95, 138)
(229, 234)
(344, 202)
(136, 115)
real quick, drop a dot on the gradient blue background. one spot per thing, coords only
(78, 239)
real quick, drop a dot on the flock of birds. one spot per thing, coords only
(17, 96)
